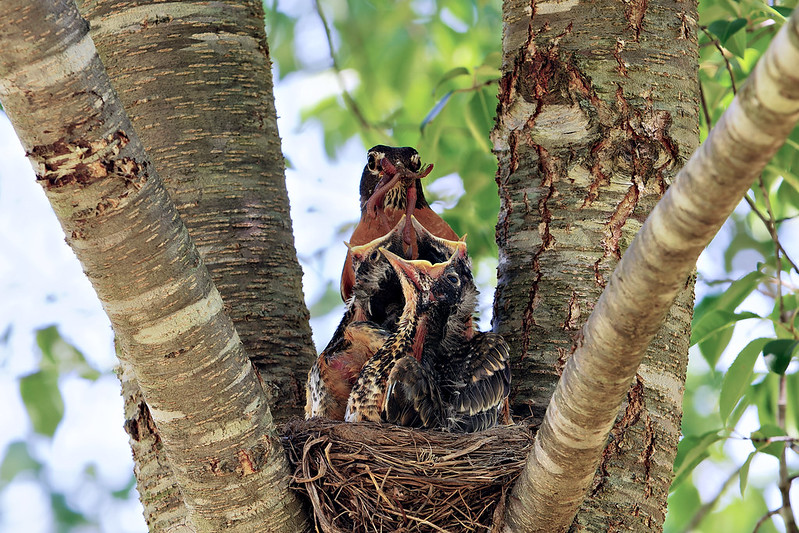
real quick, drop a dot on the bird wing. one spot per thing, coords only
(412, 397)
(482, 385)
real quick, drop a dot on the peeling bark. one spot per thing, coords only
(201, 390)
(159, 492)
(651, 273)
(597, 110)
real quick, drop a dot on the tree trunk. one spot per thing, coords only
(195, 80)
(202, 393)
(162, 501)
(598, 110)
(229, 186)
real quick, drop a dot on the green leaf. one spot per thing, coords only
(712, 346)
(683, 504)
(743, 473)
(718, 28)
(715, 321)
(436, 110)
(17, 460)
(736, 41)
(691, 451)
(327, 302)
(451, 74)
(738, 377)
(124, 492)
(42, 400)
(761, 436)
(61, 356)
(734, 295)
(778, 354)
(731, 34)
(739, 409)
(724, 29)
(784, 11)
(65, 516)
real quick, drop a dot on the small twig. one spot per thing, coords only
(767, 222)
(706, 508)
(476, 86)
(779, 438)
(718, 46)
(784, 485)
(705, 111)
(348, 99)
(764, 518)
(772, 229)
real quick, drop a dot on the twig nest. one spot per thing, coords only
(376, 478)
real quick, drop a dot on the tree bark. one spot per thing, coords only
(166, 312)
(651, 273)
(195, 80)
(162, 501)
(598, 109)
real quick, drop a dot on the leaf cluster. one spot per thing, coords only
(750, 392)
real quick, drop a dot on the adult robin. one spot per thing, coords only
(391, 187)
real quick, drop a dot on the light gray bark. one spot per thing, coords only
(651, 273)
(195, 80)
(202, 392)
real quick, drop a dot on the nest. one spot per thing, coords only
(378, 478)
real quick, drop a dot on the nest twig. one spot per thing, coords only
(378, 478)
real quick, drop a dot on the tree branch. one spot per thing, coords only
(655, 267)
(165, 310)
(222, 165)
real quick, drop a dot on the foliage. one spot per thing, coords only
(751, 377)
(413, 73)
(423, 73)
(27, 461)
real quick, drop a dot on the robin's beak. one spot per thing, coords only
(417, 275)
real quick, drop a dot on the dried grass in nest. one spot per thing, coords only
(380, 478)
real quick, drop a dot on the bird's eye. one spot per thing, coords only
(375, 255)
(452, 278)
(416, 163)
(371, 163)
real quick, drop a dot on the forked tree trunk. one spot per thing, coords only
(201, 391)
(195, 80)
(598, 111)
(196, 83)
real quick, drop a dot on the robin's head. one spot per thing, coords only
(382, 160)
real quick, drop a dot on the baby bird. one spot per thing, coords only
(369, 399)
(436, 372)
(372, 308)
